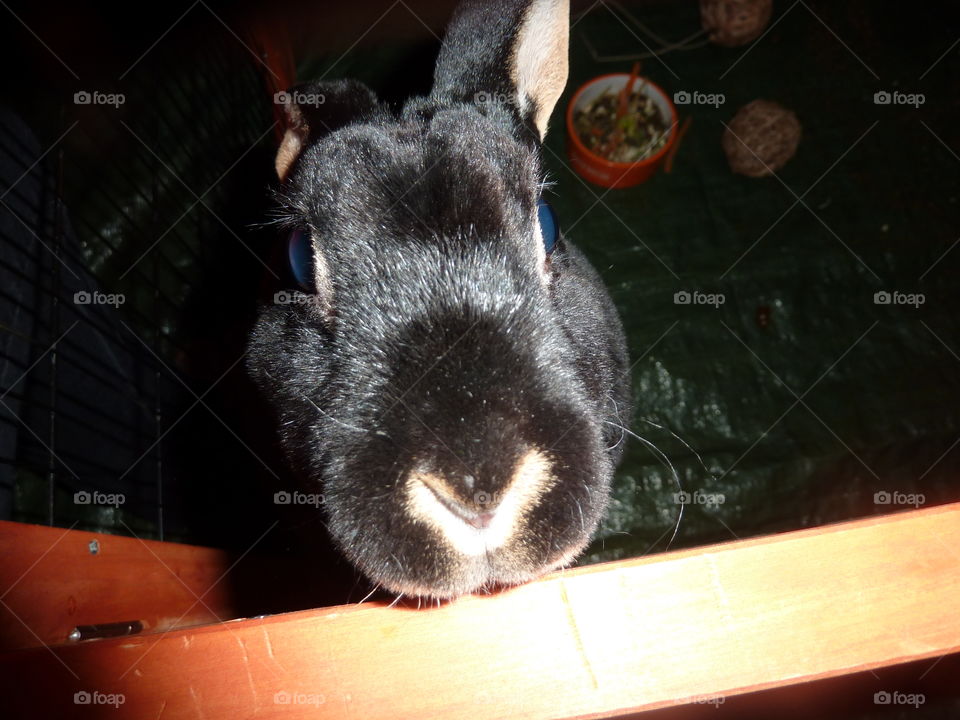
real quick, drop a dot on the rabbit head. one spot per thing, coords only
(452, 378)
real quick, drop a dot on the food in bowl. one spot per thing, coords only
(637, 132)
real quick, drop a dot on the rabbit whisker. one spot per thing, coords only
(326, 415)
(331, 417)
(666, 461)
(547, 182)
(685, 444)
(580, 510)
(369, 594)
(616, 412)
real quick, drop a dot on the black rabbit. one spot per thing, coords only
(454, 379)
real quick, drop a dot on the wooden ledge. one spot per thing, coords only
(53, 579)
(594, 642)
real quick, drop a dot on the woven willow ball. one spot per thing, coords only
(734, 22)
(761, 138)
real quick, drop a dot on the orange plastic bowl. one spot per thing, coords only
(600, 170)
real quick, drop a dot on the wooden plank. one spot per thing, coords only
(52, 580)
(593, 642)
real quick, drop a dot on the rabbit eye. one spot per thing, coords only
(300, 253)
(549, 226)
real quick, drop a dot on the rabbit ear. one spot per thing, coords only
(315, 109)
(512, 52)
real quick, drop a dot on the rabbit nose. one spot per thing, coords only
(486, 519)
(477, 511)
(461, 496)
(480, 521)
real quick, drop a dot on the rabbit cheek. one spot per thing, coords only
(487, 523)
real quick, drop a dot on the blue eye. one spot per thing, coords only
(548, 225)
(300, 253)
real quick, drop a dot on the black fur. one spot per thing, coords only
(444, 342)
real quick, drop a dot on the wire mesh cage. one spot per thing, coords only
(127, 223)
